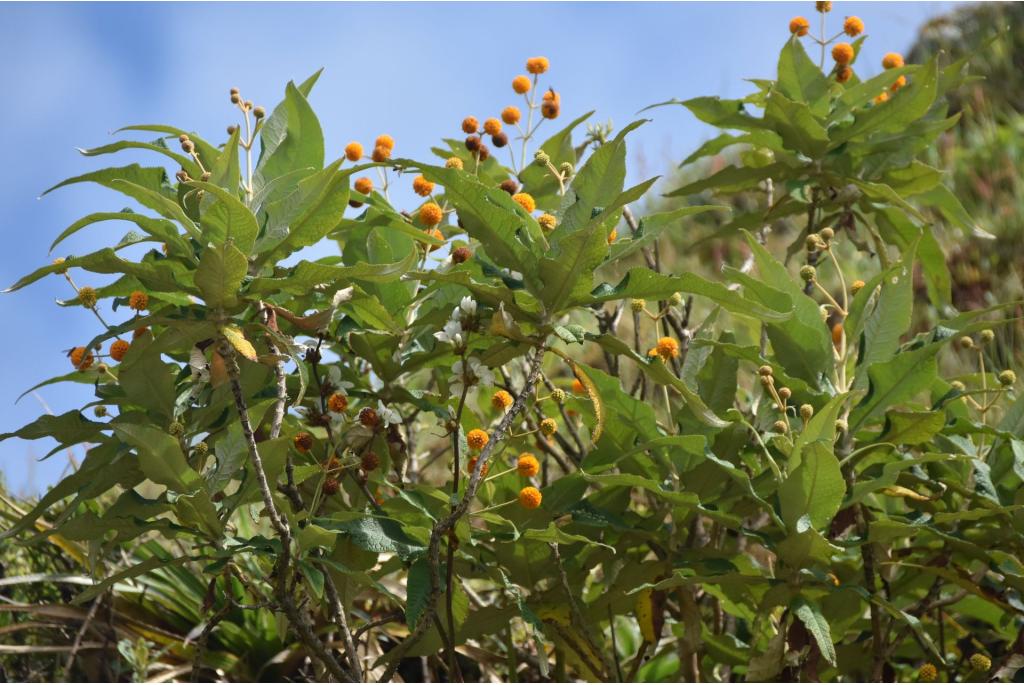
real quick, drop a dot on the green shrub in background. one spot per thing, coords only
(502, 434)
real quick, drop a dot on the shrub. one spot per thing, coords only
(759, 475)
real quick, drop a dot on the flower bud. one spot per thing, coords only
(188, 146)
(201, 448)
(637, 305)
(827, 234)
(806, 412)
(1007, 378)
(785, 393)
(967, 342)
(566, 169)
(558, 395)
(765, 370)
(841, 426)
(987, 336)
(675, 299)
(856, 286)
(176, 429)
(259, 112)
(461, 254)
(100, 411)
(808, 272)
(779, 426)
(541, 158)
(958, 386)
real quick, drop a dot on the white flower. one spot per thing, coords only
(388, 416)
(468, 305)
(476, 374)
(451, 333)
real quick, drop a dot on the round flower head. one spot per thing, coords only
(461, 254)
(537, 65)
(527, 465)
(354, 151)
(501, 400)
(81, 358)
(927, 673)
(384, 140)
(842, 53)
(898, 83)
(476, 439)
(473, 143)
(521, 84)
(668, 348)
(470, 125)
(856, 286)
(558, 395)
(525, 201)
(548, 427)
(980, 662)
(483, 469)
(806, 412)
(337, 402)
(422, 186)
(368, 417)
(1007, 378)
(364, 185)
(530, 497)
(453, 163)
(483, 153)
(892, 60)
(87, 296)
(369, 461)
(331, 486)
(808, 273)
(431, 214)
(118, 349)
(139, 301)
(577, 386)
(881, 97)
(637, 305)
(547, 221)
(799, 26)
(499, 139)
(843, 74)
(303, 442)
(511, 115)
(823, 6)
(853, 26)
(381, 154)
(492, 126)
(510, 186)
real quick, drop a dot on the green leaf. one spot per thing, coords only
(306, 215)
(305, 275)
(186, 163)
(896, 380)
(226, 218)
(537, 180)
(796, 124)
(69, 428)
(811, 616)
(160, 457)
(732, 179)
(151, 564)
(291, 138)
(800, 79)
(222, 268)
(152, 178)
(377, 534)
(912, 427)
(161, 229)
(891, 316)
(813, 492)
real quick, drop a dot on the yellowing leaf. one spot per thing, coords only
(237, 338)
(900, 491)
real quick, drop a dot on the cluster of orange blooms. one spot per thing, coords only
(843, 53)
(81, 358)
(383, 147)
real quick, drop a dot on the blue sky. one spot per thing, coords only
(76, 72)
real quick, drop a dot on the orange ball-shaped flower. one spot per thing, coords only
(668, 348)
(384, 140)
(842, 53)
(511, 115)
(363, 185)
(547, 222)
(354, 151)
(525, 201)
(530, 497)
(527, 465)
(303, 442)
(537, 65)
(435, 233)
(431, 214)
(521, 84)
(476, 439)
(118, 349)
(381, 154)
(139, 301)
(337, 402)
(81, 358)
(844, 74)
(853, 26)
(470, 125)
(892, 60)
(492, 126)
(422, 186)
(501, 400)
(799, 26)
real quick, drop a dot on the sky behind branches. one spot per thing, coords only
(74, 73)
